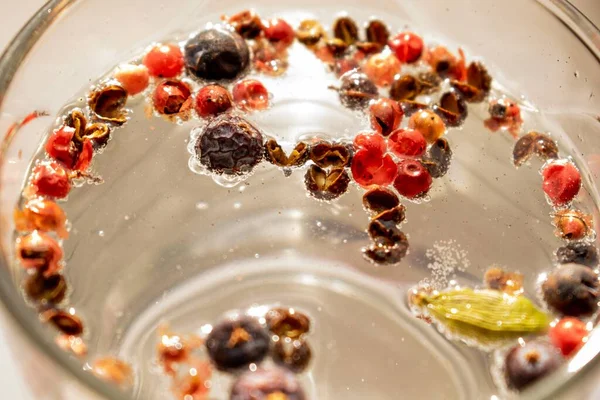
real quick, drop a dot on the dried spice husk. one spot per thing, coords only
(470, 93)
(396, 215)
(326, 154)
(310, 32)
(108, 103)
(287, 322)
(325, 185)
(294, 355)
(345, 28)
(356, 90)
(408, 87)
(534, 143)
(380, 252)
(485, 318)
(386, 231)
(410, 107)
(247, 23)
(478, 76)
(572, 224)
(365, 49)
(65, 322)
(379, 199)
(377, 32)
(275, 154)
(437, 160)
(452, 109)
(76, 120)
(46, 289)
(505, 281)
(335, 46)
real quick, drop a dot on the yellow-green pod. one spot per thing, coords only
(482, 317)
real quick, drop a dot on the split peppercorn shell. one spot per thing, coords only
(345, 28)
(310, 32)
(326, 154)
(379, 199)
(67, 323)
(108, 103)
(534, 143)
(246, 23)
(294, 355)
(287, 322)
(379, 252)
(326, 185)
(51, 289)
(275, 154)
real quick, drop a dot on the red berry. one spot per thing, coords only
(85, 157)
(413, 179)
(133, 78)
(61, 148)
(568, 335)
(375, 144)
(164, 60)
(212, 100)
(172, 97)
(50, 180)
(279, 31)
(251, 95)
(407, 46)
(370, 168)
(382, 68)
(407, 143)
(386, 115)
(562, 182)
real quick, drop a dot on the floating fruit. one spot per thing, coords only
(568, 335)
(287, 322)
(530, 144)
(561, 181)
(526, 364)
(164, 60)
(505, 281)
(572, 290)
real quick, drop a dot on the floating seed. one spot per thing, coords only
(76, 120)
(346, 29)
(108, 103)
(63, 321)
(310, 32)
(325, 185)
(578, 253)
(410, 107)
(368, 48)
(247, 23)
(572, 290)
(51, 289)
(534, 143)
(98, 133)
(287, 322)
(505, 281)
(394, 215)
(377, 32)
(385, 231)
(337, 47)
(572, 224)
(294, 355)
(486, 317)
(478, 76)
(39, 251)
(407, 87)
(380, 252)
(526, 364)
(357, 90)
(326, 155)
(43, 215)
(452, 109)
(468, 92)
(379, 199)
(437, 160)
(275, 154)
(113, 370)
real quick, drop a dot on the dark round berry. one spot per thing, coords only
(578, 253)
(236, 343)
(294, 355)
(267, 384)
(217, 54)
(572, 289)
(526, 364)
(49, 289)
(229, 144)
(357, 90)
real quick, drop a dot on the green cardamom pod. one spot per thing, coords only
(485, 318)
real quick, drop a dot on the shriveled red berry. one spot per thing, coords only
(370, 168)
(407, 143)
(50, 180)
(371, 142)
(413, 179)
(562, 182)
(172, 97)
(407, 46)
(280, 32)
(133, 78)
(568, 335)
(381, 68)
(212, 100)
(251, 95)
(386, 115)
(85, 156)
(60, 146)
(38, 251)
(164, 60)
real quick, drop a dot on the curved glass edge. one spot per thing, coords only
(28, 324)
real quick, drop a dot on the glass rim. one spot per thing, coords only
(26, 322)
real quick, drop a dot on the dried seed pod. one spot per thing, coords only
(365, 49)
(468, 92)
(336, 47)
(429, 82)
(478, 76)
(395, 215)
(108, 103)
(345, 28)
(38, 251)
(572, 224)
(481, 317)
(76, 120)
(67, 323)
(247, 23)
(572, 290)
(379, 199)
(386, 232)
(294, 355)
(406, 87)
(452, 109)
(275, 154)
(410, 107)
(74, 344)
(113, 370)
(98, 133)
(377, 32)
(429, 124)
(310, 32)
(357, 90)
(534, 143)
(43, 215)
(51, 289)
(380, 252)
(287, 322)
(437, 160)
(325, 185)
(326, 154)
(508, 282)
(578, 253)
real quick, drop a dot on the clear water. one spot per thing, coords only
(159, 243)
